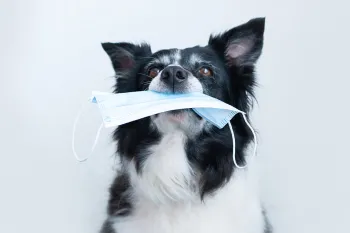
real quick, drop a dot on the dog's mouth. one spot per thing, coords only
(179, 115)
(185, 120)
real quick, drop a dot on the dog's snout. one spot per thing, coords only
(174, 74)
(175, 79)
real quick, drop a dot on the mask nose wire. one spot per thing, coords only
(234, 141)
(73, 138)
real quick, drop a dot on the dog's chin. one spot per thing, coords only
(181, 116)
(183, 120)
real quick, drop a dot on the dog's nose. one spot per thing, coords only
(174, 74)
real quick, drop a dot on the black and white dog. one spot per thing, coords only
(177, 173)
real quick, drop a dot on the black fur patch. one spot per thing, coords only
(119, 203)
(107, 227)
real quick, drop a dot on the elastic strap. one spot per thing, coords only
(234, 141)
(73, 138)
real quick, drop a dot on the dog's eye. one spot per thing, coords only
(205, 72)
(153, 72)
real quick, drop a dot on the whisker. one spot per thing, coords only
(146, 57)
(146, 85)
(145, 75)
(108, 77)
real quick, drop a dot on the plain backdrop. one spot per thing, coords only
(51, 59)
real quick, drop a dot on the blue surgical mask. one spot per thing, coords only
(119, 109)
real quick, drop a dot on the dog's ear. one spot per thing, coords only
(242, 45)
(124, 55)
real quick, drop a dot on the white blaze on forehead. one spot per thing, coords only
(165, 59)
(172, 58)
(177, 57)
(194, 59)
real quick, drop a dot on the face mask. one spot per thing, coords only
(118, 109)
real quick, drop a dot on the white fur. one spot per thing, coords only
(166, 175)
(173, 58)
(164, 60)
(189, 125)
(166, 200)
(232, 210)
(194, 59)
(177, 57)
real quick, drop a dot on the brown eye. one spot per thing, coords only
(153, 72)
(205, 72)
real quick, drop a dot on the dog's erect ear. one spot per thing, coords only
(125, 55)
(242, 45)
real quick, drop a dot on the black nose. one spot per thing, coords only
(174, 74)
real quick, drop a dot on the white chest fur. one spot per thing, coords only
(164, 202)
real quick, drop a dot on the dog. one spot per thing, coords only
(177, 173)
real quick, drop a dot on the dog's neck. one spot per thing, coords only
(166, 175)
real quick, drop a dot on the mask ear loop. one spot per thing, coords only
(254, 135)
(74, 129)
(73, 138)
(234, 141)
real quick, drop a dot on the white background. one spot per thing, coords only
(51, 59)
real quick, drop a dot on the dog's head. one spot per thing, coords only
(223, 69)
